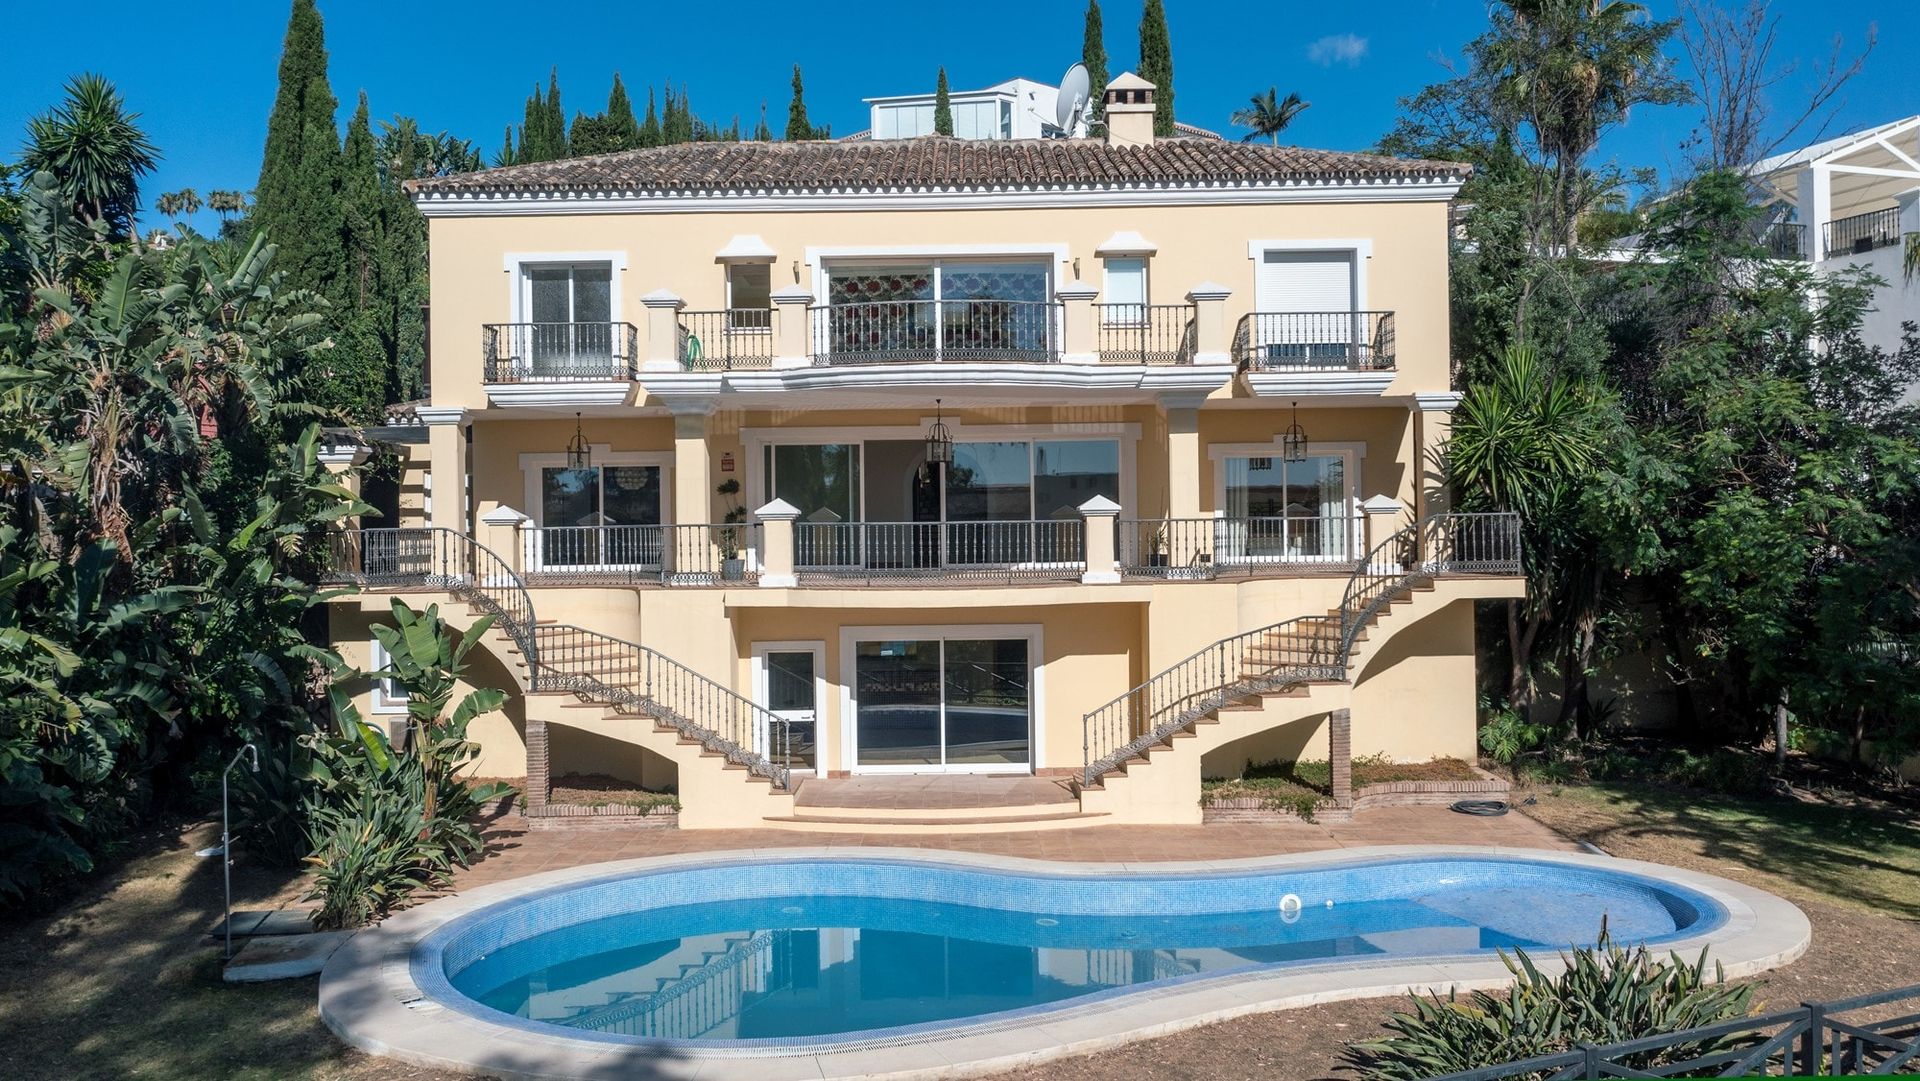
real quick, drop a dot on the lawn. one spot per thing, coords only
(1861, 854)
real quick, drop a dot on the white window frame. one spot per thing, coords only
(762, 692)
(754, 442)
(516, 265)
(531, 465)
(1355, 460)
(1106, 288)
(728, 289)
(849, 725)
(380, 699)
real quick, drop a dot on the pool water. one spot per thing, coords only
(877, 948)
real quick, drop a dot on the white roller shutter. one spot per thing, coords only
(1291, 284)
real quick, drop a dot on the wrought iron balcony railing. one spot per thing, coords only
(726, 340)
(1288, 341)
(1862, 233)
(559, 352)
(1048, 550)
(1144, 333)
(1208, 548)
(927, 331)
(715, 554)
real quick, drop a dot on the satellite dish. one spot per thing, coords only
(1069, 108)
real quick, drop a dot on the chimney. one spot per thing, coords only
(1129, 107)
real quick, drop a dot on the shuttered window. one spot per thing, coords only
(1305, 281)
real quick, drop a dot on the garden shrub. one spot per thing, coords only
(1608, 994)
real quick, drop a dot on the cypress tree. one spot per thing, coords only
(942, 106)
(358, 368)
(1156, 64)
(620, 116)
(681, 127)
(555, 126)
(1093, 56)
(762, 133)
(506, 155)
(403, 265)
(298, 197)
(798, 127)
(533, 142)
(650, 134)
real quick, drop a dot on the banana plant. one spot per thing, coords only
(428, 658)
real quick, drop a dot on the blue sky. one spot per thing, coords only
(202, 72)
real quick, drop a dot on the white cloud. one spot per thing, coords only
(1334, 49)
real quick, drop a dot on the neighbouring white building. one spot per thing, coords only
(1853, 201)
(1015, 109)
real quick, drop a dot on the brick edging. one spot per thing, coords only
(579, 816)
(1248, 809)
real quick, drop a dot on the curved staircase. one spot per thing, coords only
(1142, 751)
(594, 676)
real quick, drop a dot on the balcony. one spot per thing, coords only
(1314, 341)
(1144, 333)
(559, 352)
(734, 339)
(935, 331)
(1211, 548)
(721, 554)
(1862, 233)
(880, 553)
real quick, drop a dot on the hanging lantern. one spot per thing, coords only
(579, 455)
(939, 440)
(1293, 441)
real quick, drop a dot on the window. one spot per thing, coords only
(1288, 510)
(388, 698)
(750, 296)
(567, 313)
(951, 310)
(1124, 295)
(600, 516)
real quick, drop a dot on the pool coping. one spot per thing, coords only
(369, 998)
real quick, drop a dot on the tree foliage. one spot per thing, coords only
(1156, 65)
(297, 199)
(1093, 56)
(96, 150)
(942, 106)
(1267, 115)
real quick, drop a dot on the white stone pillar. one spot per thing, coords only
(447, 457)
(1099, 514)
(776, 534)
(500, 530)
(1815, 204)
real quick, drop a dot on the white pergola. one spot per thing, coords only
(1839, 178)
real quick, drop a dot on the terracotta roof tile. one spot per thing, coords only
(932, 162)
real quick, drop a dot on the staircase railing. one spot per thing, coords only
(634, 678)
(1302, 650)
(595, 666)
(434, 557)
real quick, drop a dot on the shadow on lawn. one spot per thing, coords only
(1854, 854)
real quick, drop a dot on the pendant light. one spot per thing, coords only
(1293, 441)
(939, 439)
(579, 455)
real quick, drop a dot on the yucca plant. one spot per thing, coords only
(1607, 994)
(368, 856)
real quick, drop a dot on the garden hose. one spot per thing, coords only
(1485, 808)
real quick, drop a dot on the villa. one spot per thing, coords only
(1079, 469)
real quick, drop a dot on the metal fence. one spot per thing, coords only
(716, 554)
(559, 352)
(1144, 333)
(1782, 239)
(909, 331)
(1283, 341)
(1806, 1042)
(726, 340)
(1207, 548)
(872, 552)
(1862, 232)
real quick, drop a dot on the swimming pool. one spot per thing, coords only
(818, 958)
(797, 949)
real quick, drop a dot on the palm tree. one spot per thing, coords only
(1268, 116)
(96, 149)
(226, 202)
(178, 204)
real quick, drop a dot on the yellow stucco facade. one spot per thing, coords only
(1183, 434)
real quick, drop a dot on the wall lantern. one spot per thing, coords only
(579, 455)
(1293, 441)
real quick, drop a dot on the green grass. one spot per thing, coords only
(1863, 855)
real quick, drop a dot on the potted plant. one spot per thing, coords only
(733, 568)
(1157, 548)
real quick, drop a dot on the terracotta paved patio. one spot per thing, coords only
(515, 851)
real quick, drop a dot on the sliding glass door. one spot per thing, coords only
(927, 704)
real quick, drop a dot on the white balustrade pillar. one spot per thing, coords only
(1100, 514)
(776, 534)
(663, 331)
(1076, 315)
(792, 327)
